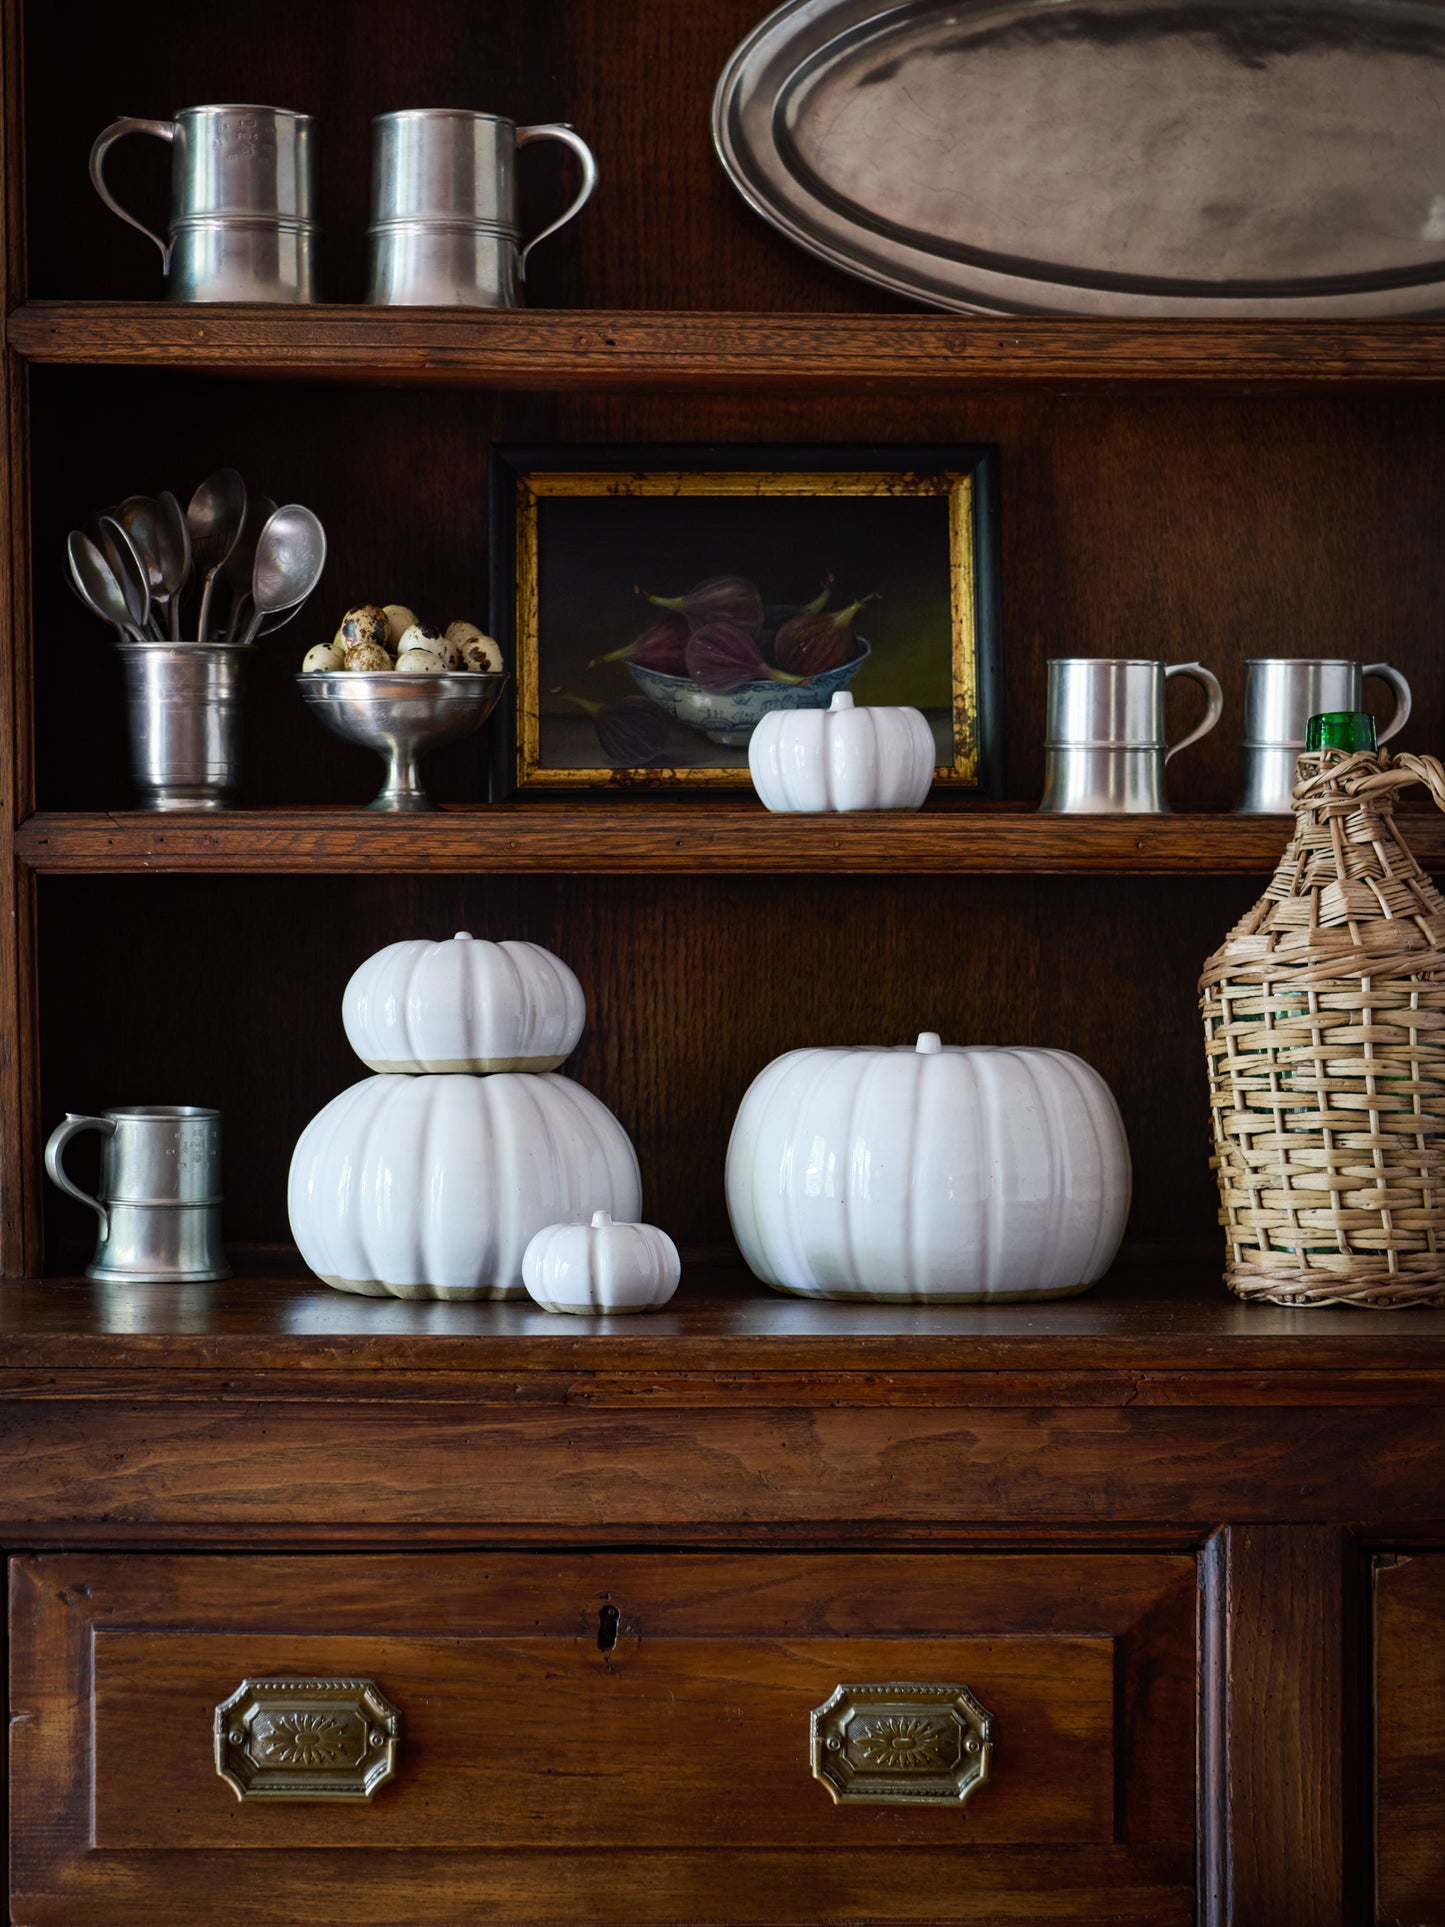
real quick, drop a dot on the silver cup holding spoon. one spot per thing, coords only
(184, 696)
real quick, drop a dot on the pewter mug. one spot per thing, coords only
(444, 225)
(160, 1192)
(184, 711)
(1104, 747)
(1281, 695)
(243, 199)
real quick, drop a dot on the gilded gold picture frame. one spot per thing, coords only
(561, 573)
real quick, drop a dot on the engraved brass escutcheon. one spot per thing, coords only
(901, 1745)
(306, 1739)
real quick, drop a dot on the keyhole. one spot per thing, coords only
(607, 1628)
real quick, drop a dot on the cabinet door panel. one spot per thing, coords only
(608, 1737)
(1410, 1740)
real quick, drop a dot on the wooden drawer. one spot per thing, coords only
(1410, 1740)
(603, 1737)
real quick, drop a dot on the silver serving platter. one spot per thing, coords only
(1104, 157)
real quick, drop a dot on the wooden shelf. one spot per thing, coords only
(1152, 1315)
(637, 837)
(592, 349)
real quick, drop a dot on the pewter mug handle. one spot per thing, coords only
(1197, 673)
(1404, 701)
(62, 1134)
(163, 130)
(563, 131)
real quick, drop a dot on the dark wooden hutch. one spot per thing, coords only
(1191, 1557)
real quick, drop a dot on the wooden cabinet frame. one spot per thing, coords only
(1282, 1453)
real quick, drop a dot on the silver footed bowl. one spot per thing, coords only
(402, 717)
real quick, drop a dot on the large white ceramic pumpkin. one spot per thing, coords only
(601, 1267)
(433, 1187)
(928, 1173)
(842, 758)
(463, 1005)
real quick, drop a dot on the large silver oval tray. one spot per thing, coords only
(1107, 157)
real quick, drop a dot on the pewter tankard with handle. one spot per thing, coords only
(160, 1192)
(1104, 748)
(444, 226)
(1281, 695)
(243, 198)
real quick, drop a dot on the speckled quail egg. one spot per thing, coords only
(420, 635)
(449, 652)
(461, 633)
(420, 662)
(322, 659)
(365, 623)
(368, 655)
(398, 620)
(479, 651)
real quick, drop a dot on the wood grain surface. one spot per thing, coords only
(688, 1736)
(1157, 1331)
(591, 349)
(1409, 1629)
(193, 1459)
(1291, 1650)
(699, 1735)
(649, 837)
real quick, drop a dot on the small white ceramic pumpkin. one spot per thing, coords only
(463, 1005)
(601, 1267)
(928, 1174)
(433, 1187)
(842, 758)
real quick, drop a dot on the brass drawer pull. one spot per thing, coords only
(306, 1739)
(901, 1745)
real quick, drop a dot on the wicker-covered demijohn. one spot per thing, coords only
(1324, 1017)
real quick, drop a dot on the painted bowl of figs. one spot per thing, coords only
(719, 658)
(732, 717)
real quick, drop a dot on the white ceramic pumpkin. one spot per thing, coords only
(929, 1173)
(433, 1187)
(601, 1267)
(842, 758)
(463, 1005)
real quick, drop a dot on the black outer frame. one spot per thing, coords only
(980, 460)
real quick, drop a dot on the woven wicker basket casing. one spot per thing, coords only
(1324, 1020)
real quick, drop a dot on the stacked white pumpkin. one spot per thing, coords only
(430, 1178)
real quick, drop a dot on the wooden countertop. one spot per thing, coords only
(1145, 1317)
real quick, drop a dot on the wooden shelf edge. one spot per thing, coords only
(552, 349)
(639, 838)
(1161, 1316)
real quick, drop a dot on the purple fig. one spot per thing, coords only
(777, 613)
(812, 644)
(635, 733)
(722, 657)
(661, 646)
(721, 598)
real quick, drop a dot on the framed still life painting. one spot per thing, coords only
(655, 602)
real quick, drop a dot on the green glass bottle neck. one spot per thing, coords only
(1348, 729)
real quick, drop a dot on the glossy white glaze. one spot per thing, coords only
(463, 1005)
(601, 1267)
(433, 1187)
(842, 758)
(928, 1173)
